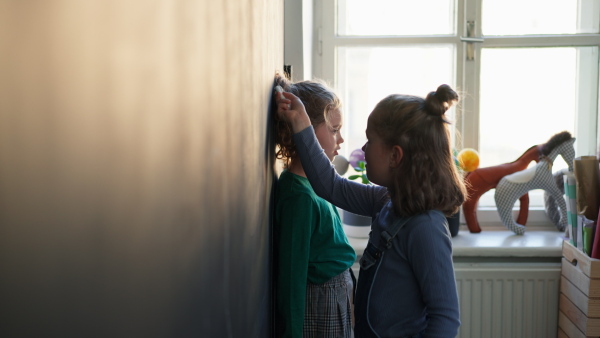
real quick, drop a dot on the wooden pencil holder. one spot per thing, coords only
(579, 304)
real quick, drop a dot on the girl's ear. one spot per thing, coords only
(396, 156)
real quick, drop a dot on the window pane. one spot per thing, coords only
(395, 17)
(527, 95)
(518, 17)
(367, 75)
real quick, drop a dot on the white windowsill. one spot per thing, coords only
(505, 243)
(496, 243)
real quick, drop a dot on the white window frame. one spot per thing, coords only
(324, 58)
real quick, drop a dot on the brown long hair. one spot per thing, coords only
(318, 100)
(426, 178)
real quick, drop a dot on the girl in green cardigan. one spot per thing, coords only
(314, 282)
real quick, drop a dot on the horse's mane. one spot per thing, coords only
(555, 141)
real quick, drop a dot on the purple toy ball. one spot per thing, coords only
(355, 157)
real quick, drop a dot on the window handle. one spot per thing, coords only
(470, 39)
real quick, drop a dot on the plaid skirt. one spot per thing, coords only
(328, 311)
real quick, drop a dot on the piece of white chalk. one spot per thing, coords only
(279, 89)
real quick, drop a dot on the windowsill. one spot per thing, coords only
(507, 244)
(496, 243)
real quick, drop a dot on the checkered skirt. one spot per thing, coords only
(328, 311)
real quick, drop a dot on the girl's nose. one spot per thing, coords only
(363, 147)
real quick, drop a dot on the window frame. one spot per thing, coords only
(467, 78)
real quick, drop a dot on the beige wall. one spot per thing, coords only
(135, 174)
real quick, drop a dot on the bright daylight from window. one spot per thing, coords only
(532, 83)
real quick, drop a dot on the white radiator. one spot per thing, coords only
(508, 299)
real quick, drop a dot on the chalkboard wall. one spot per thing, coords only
(136, 167)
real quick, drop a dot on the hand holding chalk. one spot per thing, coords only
(297, 117)
(279, 90)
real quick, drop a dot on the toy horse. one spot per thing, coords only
(538, 177)
(480, 181)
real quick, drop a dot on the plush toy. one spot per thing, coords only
(538, 177)
(482, 180)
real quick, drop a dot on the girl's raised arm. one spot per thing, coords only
(349, 195)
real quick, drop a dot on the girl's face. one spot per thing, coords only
(377, 158)
(329, 135)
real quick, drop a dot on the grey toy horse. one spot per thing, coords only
(513, 186)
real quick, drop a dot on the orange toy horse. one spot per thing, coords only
(480, 181)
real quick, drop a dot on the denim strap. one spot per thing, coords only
(372, 253)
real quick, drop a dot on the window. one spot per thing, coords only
(526, 69)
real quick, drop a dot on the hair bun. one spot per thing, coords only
(438, 102)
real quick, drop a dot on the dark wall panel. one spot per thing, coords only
(135, 176)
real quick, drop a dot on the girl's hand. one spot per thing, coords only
(291, 109)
